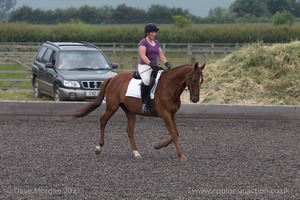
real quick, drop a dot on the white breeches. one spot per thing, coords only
(145, 73)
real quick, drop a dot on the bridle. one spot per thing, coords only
(189, 84)
(190, 78)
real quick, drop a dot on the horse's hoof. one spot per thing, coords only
(136, 154)
(183, 158)
(98, 150)
(157, 146)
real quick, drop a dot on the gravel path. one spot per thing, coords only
(227, 159)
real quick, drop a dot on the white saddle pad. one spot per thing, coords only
(134, 90)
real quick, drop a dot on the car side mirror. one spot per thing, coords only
(114, 65)
(49, 65)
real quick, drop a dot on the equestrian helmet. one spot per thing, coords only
(151, 28)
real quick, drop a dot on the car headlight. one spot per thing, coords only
(73, 84)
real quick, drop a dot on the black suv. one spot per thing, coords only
(70, 71)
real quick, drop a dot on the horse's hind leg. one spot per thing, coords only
(131, 119)
(110, 111)
(164, 143)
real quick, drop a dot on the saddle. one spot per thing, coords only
(136, 75)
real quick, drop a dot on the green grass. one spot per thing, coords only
(21, 75)
(12, 67)
(21, 95)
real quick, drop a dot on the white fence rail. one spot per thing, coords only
(121, 48)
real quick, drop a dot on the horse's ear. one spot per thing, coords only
(196, 66)
(203, 66)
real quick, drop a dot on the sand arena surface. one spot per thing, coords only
(227, 159)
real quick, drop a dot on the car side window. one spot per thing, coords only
(53, 57)
(47, 57)
(40, 54)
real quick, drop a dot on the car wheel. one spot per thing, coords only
(56, 94)
(36, 91)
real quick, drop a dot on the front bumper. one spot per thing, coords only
(77, 94)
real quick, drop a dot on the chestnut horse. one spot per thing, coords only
(165, 103)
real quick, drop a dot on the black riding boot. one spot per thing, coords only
(144, 91)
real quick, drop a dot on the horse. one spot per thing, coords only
(164, 105)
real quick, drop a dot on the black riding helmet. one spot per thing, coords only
(151, 28)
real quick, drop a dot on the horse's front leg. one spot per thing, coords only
(103, 122)
(172, 127)
(131, 119)
(101, 140)
(166, 142)
(110, 110)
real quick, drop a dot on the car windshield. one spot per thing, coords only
(87, 60)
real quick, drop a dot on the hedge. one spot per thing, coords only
(233, 33)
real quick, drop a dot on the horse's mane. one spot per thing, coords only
(179, 67)
(175, 68)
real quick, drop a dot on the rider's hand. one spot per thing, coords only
(167, 64)
(154, 67)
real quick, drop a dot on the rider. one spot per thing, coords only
(149, 49)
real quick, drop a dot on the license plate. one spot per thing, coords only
(91, 93)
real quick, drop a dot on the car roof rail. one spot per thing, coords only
(49, 42)
(90, 44)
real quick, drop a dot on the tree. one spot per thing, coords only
(275, 6)
(104, 15)
(21, 15)
(220, 15)
(5, 7)
(257, 8)
(218, 12)
(88, 14)
(181, 21)
(127, 15)
(122, 14)
(263, 8)
(158, 13)
(284, 17)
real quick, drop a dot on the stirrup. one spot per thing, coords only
(145, 108)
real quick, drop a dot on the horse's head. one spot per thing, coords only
(194, 82)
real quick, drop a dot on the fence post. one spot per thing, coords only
(123, 49)
(193, 60)
(134, 62)
(189, 49)
(114, 48)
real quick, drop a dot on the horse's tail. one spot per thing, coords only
(93, 105)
